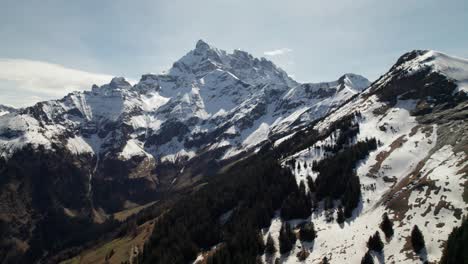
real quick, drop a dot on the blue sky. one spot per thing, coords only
(313, 40)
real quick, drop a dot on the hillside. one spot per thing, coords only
(397, 149)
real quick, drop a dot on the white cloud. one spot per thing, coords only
(277, 52)
(25, 82)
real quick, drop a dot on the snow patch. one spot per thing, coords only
(77, 146)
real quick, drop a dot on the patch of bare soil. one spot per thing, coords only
(397, 198)
(383, 155)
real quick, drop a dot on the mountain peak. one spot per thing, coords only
(206, 58)
(354, 81)
(202, 45)
(411, 55)
(428, 63)
(119, 82)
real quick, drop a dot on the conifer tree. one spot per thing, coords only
(340, 218)
(367, 259)
(302, 189)
(325, 260)
(287, 238)
(270, 248)
(297, 205)
(387, 226)
(328, 204)
(457, 245)
(307, 232)
(260, 243)
(417, 239)
(311, 184)
(375, 243)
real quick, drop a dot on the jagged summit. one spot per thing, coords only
(202, 45)
(210, 98)
(206, 58)
(119, 82)
(355, 81)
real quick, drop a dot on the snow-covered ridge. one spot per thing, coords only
(204, 58)
(454, 68)
(209, 99)
(416, 175)
(409, 155)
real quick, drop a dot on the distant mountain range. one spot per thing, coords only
(6, 110)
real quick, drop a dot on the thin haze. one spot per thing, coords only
(313, 40)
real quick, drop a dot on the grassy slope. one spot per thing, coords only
(122, 247)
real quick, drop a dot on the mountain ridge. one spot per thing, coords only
(174, 95)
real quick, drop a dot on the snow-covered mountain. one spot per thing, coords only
(418, 173)
(353, 184)
(6, 109)
(94, 153)
(209, 100)
(120, 145)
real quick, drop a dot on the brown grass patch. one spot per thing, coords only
(383, 155)
(122, 215)
(124, 248)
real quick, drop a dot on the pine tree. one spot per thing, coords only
(387, 226)
(270, 248)
(297, 205)
(325, 260)
(457, 245)
(375, 243)
(287, 238)
(307, 232)
(340, 218)
(311, 184)
(302, 189)
(351, 195)
(260, 243)
(417, 239)
(328, 204)
(367, 259)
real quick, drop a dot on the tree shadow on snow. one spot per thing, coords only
(356, 212)
(307, 245)
(380, 256)
(422, 255)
